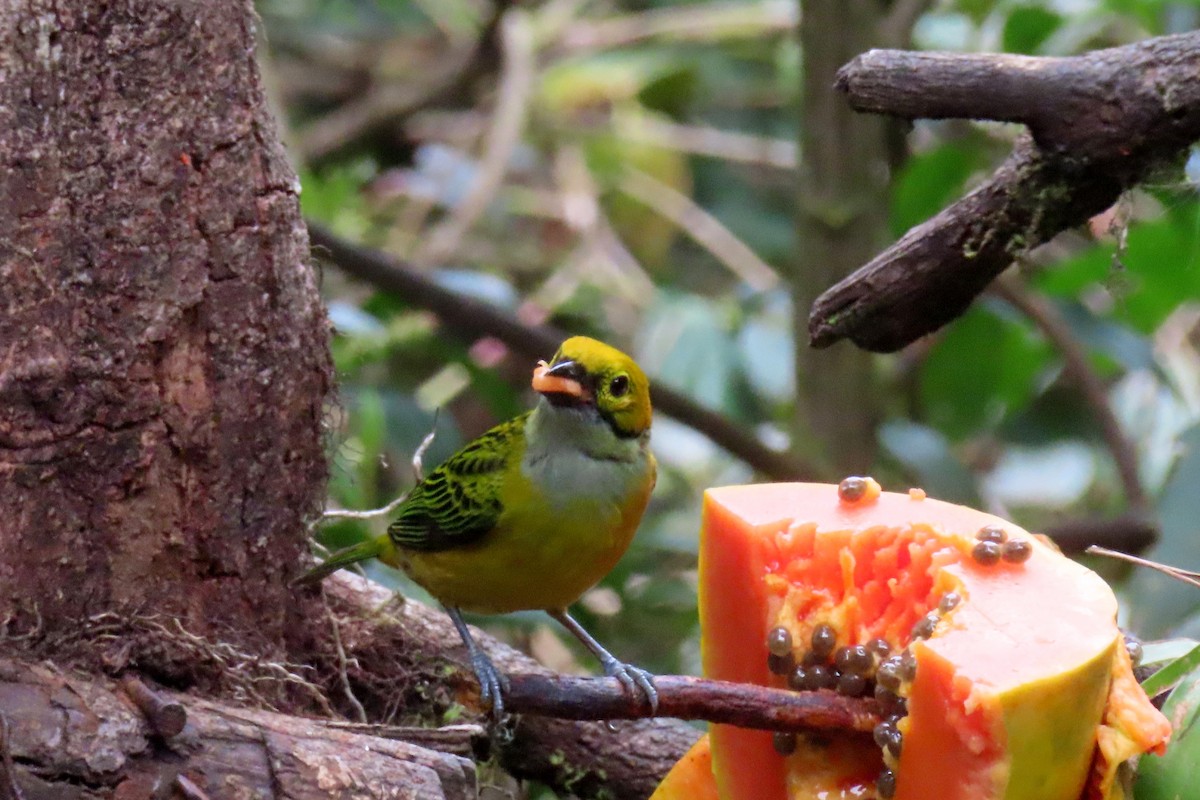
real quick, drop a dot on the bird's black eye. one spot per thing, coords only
(618, 386)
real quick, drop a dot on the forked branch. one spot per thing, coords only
(1098, 123)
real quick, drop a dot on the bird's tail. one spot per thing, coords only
(371, 548)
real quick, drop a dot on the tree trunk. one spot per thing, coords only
(163, 350)
(841, 221)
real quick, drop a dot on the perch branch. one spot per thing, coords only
(682, 697)
(473, 318)
(1099, 123)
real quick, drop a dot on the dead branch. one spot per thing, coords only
(1099, 123)
(513, 95)
(74, 736)
(473, 318)
(167, 718)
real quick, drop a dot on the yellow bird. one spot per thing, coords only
(534, 512)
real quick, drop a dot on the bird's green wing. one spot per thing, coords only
(459, 502)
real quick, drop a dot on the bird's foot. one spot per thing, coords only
(492, 684)
(636, 680)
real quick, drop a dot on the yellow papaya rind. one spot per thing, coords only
(1050, 726)
(1131, 726)
(692, 776)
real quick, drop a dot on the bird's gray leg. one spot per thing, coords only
(631, 677)
(491, 682)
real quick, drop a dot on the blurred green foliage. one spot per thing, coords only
(701, 99)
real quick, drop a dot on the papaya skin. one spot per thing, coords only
(692, 776)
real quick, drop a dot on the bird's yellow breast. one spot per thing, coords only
(564, 526)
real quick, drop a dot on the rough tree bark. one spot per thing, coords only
(163, 350)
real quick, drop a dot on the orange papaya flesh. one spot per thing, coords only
(1013, 687)
(691, 778)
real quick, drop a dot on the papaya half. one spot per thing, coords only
(996, 661)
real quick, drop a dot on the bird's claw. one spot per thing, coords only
(492, 684)
(635, 680)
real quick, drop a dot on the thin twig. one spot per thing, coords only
(188, 788)
(9, 789)
(1075, 360)
(418, 459)
(473, 318)
(695, 22)
(689, 698)
(343, 661)
(702, 227)
(418, 473)
(1185, 575)
(704, 140)
(503, 136)
(370, 513)
(599, 255)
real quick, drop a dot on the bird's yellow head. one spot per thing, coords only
(585, 372)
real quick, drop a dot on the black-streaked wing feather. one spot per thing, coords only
(459, 502)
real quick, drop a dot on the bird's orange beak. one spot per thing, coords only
(553, 380)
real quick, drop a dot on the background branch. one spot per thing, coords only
(1047, 319)
(385, 105)
(1100, 123)
(472, 318)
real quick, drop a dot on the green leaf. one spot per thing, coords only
(1171, 674)
(1175, 774)
(1158, 270)
(670, 92)
(1027, 27)
(1108, 340)
(984, 368)
(1164, 651)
